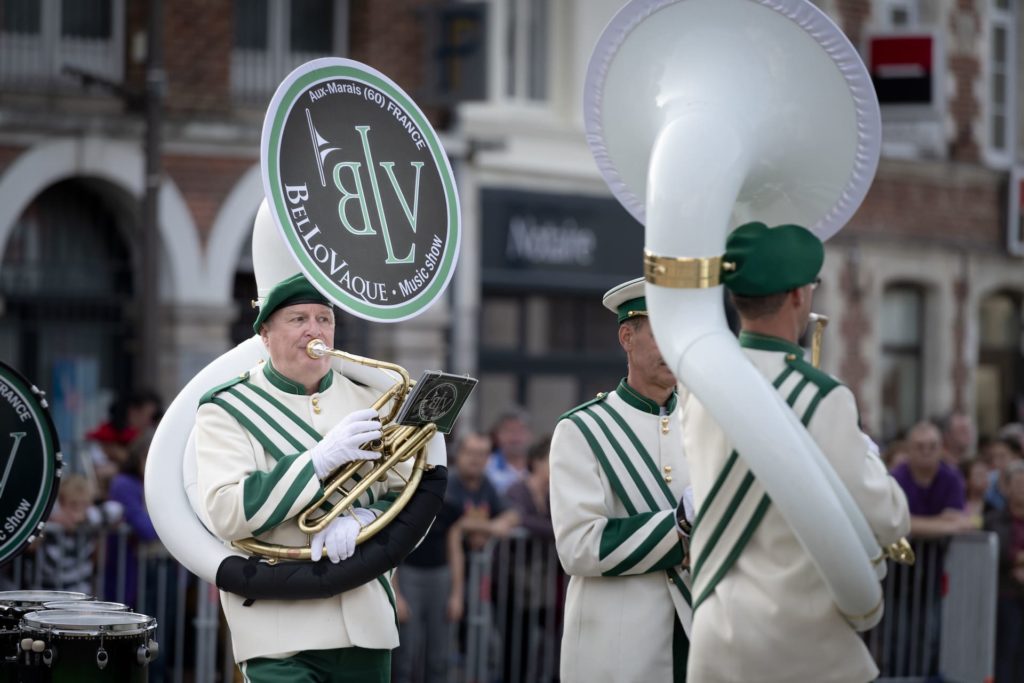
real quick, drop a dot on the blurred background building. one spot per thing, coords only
(106, 287)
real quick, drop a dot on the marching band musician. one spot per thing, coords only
(264, 443)
(618, 472)
(761, 610)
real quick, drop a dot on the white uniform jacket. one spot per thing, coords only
(616, 537)
(770, 618)
(249, 490)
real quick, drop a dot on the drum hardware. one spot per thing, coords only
(101, 655)
(147, 653)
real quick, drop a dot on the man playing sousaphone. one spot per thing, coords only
(264, 444)
(762, 611)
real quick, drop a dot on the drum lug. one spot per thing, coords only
(145, 653)
(101, 658)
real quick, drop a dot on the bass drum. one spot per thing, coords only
(31, 464)
(65, 646)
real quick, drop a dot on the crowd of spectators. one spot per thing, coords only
(99, 519)
(497, 488)
(957, 483)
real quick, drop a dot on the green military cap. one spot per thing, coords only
(626, 300)
(759, 260)
(288, 292)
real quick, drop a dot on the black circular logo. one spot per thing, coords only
(437, 402)
(30, 463)
(361, 189)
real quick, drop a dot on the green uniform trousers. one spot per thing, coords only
(340, 665)
(680, 652)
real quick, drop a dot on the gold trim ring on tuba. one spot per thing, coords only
(397, 444)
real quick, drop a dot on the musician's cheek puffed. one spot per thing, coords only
(253, 483)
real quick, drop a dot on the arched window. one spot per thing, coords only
(999, 389)
(902, 325)
(66, 288)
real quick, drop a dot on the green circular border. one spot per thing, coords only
(287, 102)
(45, 427)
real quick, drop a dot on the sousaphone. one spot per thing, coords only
(703, 115)
(361, 199)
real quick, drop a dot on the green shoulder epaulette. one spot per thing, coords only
(821, 379)
(597, 399)
(208, 396)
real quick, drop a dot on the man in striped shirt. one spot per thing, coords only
(264, 444)
(618, 472)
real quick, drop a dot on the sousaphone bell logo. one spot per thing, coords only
(361, 189)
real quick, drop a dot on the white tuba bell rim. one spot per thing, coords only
(630, 186)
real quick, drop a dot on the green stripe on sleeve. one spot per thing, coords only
(811, 407)
(259, 488)
(748, 531)
(645, 457)
(626, 461)
(391, 595)
(741, 492)
(793, 395)
(605, 465)
(295, 443)
(268, 445)
(285, 410)
(624, 530)
(713, 493)
(681, 585)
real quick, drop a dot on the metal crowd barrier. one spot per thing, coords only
(940, 614)
(939, 621)
(194, 644)
(515, 594)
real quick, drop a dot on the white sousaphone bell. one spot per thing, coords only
(705, 114)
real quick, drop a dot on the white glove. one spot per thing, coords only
(340, 536)
(341, 444)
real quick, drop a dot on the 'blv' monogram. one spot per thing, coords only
(374, 221)
(348, 179)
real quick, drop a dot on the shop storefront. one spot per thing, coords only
(546, 342)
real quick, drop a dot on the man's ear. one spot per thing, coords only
(626, 337)
(797, 296)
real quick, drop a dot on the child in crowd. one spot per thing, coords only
(66, 553)
(975, 473)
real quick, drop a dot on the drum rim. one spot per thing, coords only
(48, 621)
(87, 606)
(7, 599)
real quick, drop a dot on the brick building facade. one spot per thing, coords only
(923, 287)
